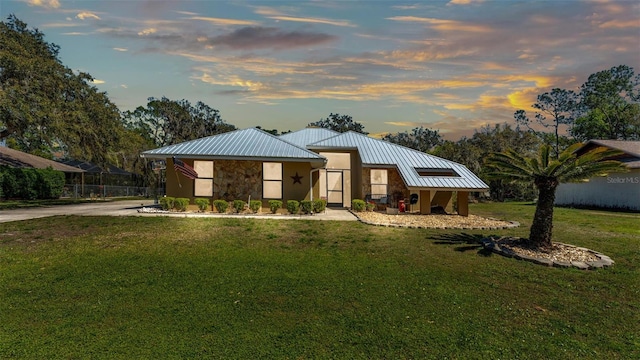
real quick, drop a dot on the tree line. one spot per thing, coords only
(47, 108)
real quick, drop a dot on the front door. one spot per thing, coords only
(335, 185)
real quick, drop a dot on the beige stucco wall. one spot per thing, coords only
(296, 191)
(619, 190)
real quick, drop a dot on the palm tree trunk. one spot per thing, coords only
(542, 226)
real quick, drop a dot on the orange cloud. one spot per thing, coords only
(87, 15)
(444, 25)
(279, 16)
(620, 24)
(222, 21)
(51, 4)
(523, 99)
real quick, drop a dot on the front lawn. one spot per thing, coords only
(160, 287)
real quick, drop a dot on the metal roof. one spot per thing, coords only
(18, 159)
(247, 144)
(375, 152)
(93, 168)
(308, 136)
(631, 159)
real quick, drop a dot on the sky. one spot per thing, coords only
(452, 66)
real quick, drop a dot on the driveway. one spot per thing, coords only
(130, 208)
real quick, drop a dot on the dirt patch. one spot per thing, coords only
(434, 221)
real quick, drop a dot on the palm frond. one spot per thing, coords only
(568, 167)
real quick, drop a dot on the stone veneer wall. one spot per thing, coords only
(235, 179)
(395, 183)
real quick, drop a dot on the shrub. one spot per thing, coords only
(370, 206)
(181, 204)
(203, 204)
(293, 206)
(319, 205)
(31, 184)
(238, 205)
(167, 202)
(50, 183)
(274, 205)
(255, 205)
(357, 205)
(306, 206)
(221, 205)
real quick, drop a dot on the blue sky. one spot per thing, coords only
(453, 65)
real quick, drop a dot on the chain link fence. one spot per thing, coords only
(77, 191)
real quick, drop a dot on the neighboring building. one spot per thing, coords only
(95, 175)
(315, 163)
(18, 159)
(615, 191)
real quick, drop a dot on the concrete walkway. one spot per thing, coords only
(131, 207)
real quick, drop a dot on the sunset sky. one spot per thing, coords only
(450, 66)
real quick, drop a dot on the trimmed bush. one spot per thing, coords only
(293, 206)
(181, 204)
(306, 206)
(370, 206)
(358, 205)
(238, 205)
(319, 205)
(221, 205)
(167, 202)
(203, 204)
(255, 205)
(274, 205)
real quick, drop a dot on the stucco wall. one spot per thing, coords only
(620, 190)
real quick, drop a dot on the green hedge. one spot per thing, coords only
(181, 204)
(293, 206)
(238, 205)
(203, 204)
(306, 206)
(358, 205)
(274, 205)
(167, 202)
(31, 184)
(221, 205)
(319, 205)
(255, 205)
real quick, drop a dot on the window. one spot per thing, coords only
(379, 182)
(437, 172)
(203, 185)
(272, 180)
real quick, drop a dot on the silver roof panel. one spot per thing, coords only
(376, 152)
(245, 144)
(308, 136)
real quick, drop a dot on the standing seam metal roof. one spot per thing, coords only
(308, 136)
(249, 143)
(379, 152)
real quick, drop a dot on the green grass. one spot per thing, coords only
(116, 287)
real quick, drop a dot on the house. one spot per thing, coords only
(615, 191)
(315, 163)
(18, 159)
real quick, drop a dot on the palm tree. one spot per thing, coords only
(546, 173)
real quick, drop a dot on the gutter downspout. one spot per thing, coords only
(311, 182)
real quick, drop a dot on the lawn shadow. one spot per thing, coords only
(467, 241)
